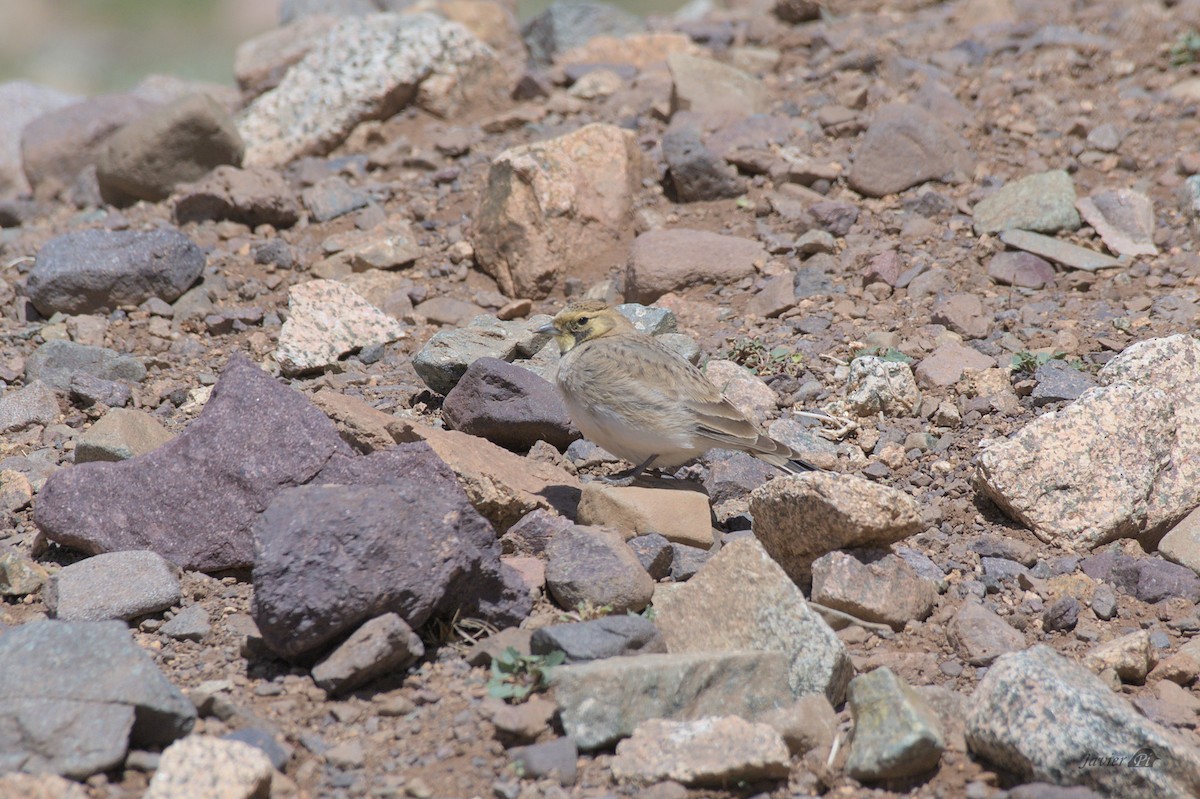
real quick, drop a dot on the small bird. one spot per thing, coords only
(642, 402)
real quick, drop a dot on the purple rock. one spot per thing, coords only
(508, 405)
(391, 532)
(195, 499)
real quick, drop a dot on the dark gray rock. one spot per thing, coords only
(594, 565)
(391, 532)
(531, 534)
(34, 403)
(1040, 716)
(59, 363)
(87, 390)
(333, 197)
(189, 624)
(554, 759)
(570, 23)
(1023, 269)
(1058, 381)
(195, 499)
(607, 637)
(383, 645)
(686, 561)
(695, 172)
(100, 270)
(179, 142)
(654, 552)
(75, 695)
(1062, 615)
(115, 585)
(508, 405)
(833, 216)
(733, 475)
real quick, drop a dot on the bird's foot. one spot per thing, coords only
(619, 480)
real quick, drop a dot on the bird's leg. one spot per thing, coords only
(628, 477)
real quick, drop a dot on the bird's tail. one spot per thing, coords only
(781, 456)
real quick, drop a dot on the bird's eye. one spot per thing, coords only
(583, 320)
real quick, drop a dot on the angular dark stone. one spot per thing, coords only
(195, 499)
(1149, 579)
(87, 390)
(1062, 615)
(99, 270)
(508, 405)
(607, 637)
(697, 173)
(391, 532)
(733, 475)
(687, 561)
(59, 364)
(532, 533)
(654, 552)
(1058, 381)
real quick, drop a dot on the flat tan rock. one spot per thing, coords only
(678, 515)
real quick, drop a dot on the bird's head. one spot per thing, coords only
(584, 321)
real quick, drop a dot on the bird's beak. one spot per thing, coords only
(546, 328)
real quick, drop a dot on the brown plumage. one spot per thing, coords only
(642, 402)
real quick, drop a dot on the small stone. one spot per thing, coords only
(946, 365)
(664, 261)
(1061, 252)
(34, 403)
(876, 385)
(896, 733)
(962, 313)
(1021, 269)
(611, 636)
(189, 624)
(594, 565)
(1124, 219)
(1043, 202)
(326, 322)
(1130, 656)
(885, 590)
(979, 636)
(521, 722)
(799, 518)
(677, 687)
(906, 145)
(382, 645)
(654, 552)
(96, 271)
(553, 759)
(115, 585)
(1058, 381)
(1062, 615)
(119, 435)
(20, 576)
(711, 751)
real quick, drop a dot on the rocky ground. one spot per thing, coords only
(274, 406)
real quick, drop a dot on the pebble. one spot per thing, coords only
(115, 585)
(1043, 202)
(593, 565)
(896, 733)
